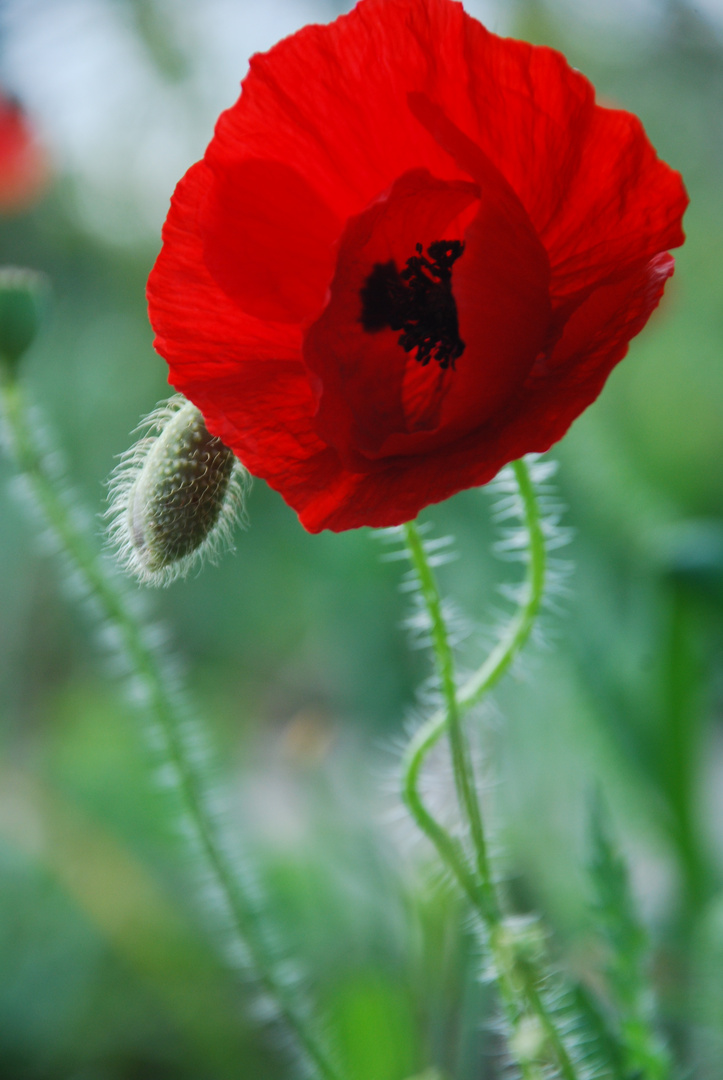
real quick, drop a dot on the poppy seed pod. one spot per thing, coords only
(23, 295)
(175, 496)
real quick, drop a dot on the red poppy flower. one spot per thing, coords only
(23, 163)
(412, 253)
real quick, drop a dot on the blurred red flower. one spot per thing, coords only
(412, 253)
(24, 168)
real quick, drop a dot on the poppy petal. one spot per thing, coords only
(245, 375)
(320, 95)
(24, 166)
(267, 429)
(268, 239)
(197, 325)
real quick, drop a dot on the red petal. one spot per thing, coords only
(268, 427)
(197, 326)
(225, 361)
(596, 337)
(268, 239)
(24, 169)
(331, 101)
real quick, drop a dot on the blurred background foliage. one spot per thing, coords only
(293, 646)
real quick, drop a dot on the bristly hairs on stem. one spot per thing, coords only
(229, 892)
(544, 1037)
(508, 514)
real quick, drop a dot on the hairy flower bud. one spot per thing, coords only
(23, 295)
(175, 495)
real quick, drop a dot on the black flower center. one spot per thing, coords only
(418, 301)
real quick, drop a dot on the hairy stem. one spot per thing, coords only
(518, 981)
(241, 912)
(512, 641)
(461, 760)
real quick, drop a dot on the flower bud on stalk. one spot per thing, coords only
(175, 496)
(23, 297)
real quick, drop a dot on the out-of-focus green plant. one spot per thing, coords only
(627, 967)
(230, 897)
(541, 1022)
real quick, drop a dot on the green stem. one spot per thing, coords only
(518, 982)
(461, 761)
(242, 912)
(513, 640)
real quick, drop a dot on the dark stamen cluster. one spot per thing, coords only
(419, 302)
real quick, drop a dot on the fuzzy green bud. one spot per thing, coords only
(23, 298)
(175, 496)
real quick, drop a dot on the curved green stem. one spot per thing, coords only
(461, 760)
(513, 640)
(518, 982)
(241, 910)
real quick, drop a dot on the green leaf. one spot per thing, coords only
(631, 993)
(376, 1029)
